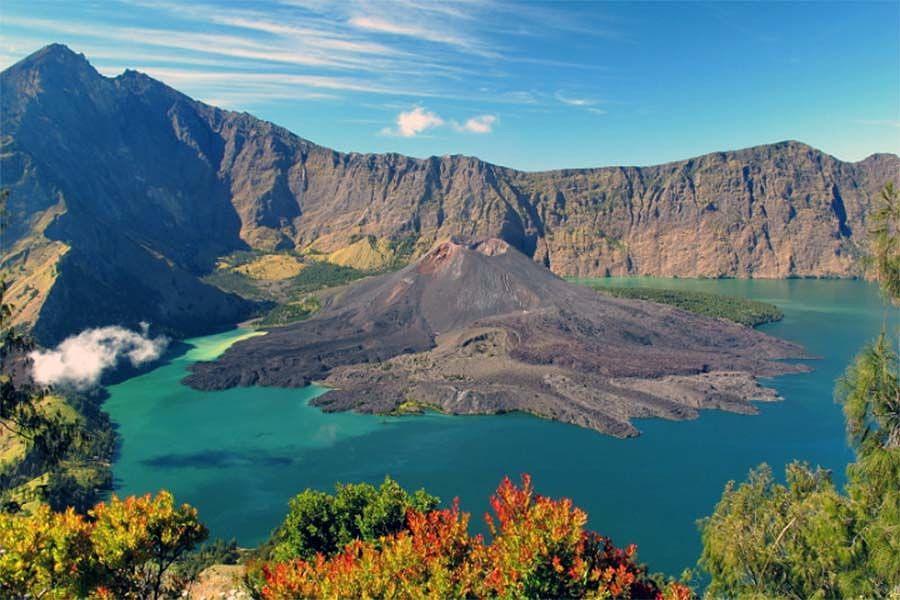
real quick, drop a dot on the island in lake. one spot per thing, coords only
(476, 327)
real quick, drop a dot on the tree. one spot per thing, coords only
(884, 242)
(321, 523)
(870, 393)
(138, 539)
(122, 549)
(767, 540)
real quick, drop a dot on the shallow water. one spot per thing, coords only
(239, 455)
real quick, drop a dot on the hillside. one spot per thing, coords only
(124, 192)
(479, 328)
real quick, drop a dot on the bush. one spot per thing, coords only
(539, 549)
(319, 523)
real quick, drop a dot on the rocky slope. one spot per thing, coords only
(474, 328)
(123, 192)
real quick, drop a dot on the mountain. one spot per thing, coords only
(124, 191)
(477, 327)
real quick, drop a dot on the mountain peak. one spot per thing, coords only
(57, 55)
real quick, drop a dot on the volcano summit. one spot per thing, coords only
(479, 328)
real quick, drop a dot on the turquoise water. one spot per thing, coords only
(239, 455)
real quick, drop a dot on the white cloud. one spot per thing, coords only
(414, 122)
(572, 101)
(419, 120)
(479, 124)
(81, 359)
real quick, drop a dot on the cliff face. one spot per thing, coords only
(772, 211)
(132, 189)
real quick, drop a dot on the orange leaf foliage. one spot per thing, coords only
(539, 548)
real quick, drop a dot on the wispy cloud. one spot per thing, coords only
(421, 32)
(244, 55)
(241, 79)
(229, 45)
(574, 101)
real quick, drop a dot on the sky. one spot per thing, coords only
(530, 85)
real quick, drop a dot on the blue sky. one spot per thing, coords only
(524, 84)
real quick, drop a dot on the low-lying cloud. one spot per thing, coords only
(80, 360)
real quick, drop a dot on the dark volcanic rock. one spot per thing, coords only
(480, 328)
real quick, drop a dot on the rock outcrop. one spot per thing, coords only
(128, 190)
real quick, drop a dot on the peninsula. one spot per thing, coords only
(477, 327)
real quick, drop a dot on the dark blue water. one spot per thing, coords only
(239, 455)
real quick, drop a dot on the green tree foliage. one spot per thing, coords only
(767, 540)
(740, 310)
(884, 241)
(217, 552)
(870, 393)
(323, 523)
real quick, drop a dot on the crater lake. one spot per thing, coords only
(239, 455)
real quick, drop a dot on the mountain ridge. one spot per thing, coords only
(172, 183)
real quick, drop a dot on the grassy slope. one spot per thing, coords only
(87, 462)
(288, 280)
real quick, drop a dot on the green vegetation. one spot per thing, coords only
(323, 523)
(363, 542)
(769, 540)
(55, 449)
(217, 552)
(807, 539)
(290, 280)
(885, 242)
(233, 274)
(237, 283)
(319, 275)
(740, 310)
(538, 548)
(284, 314)
(409, 407)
